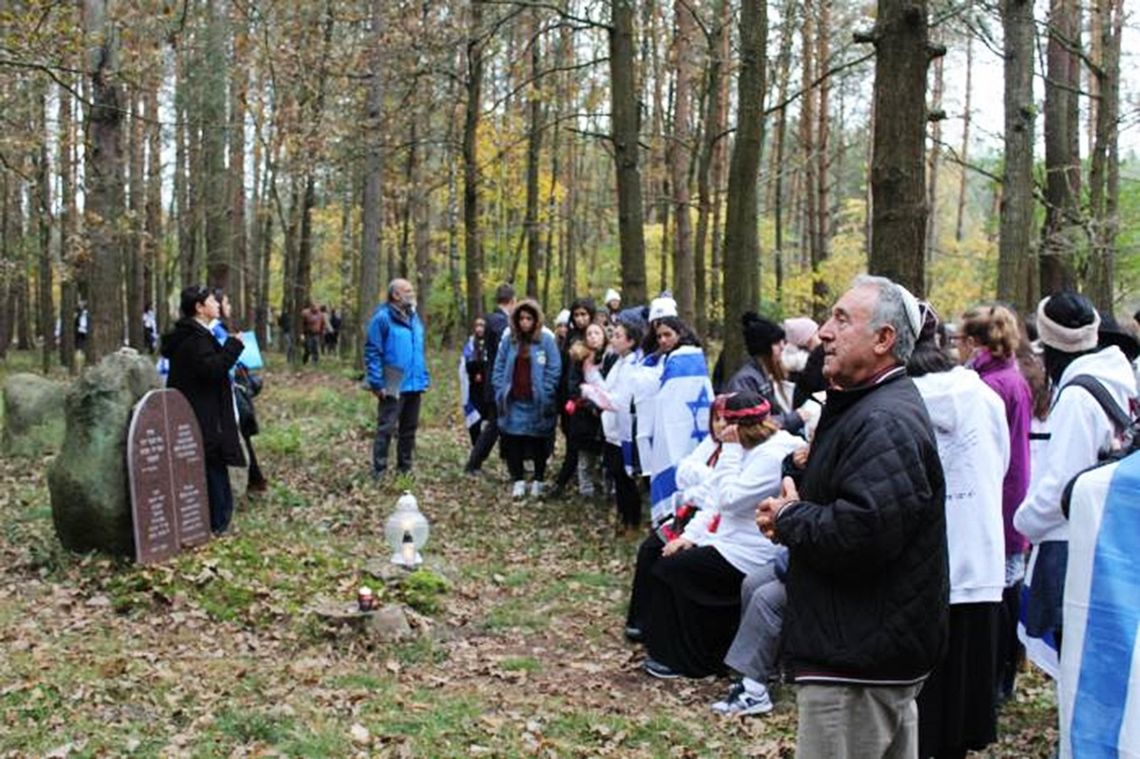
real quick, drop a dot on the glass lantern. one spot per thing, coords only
(406, 531)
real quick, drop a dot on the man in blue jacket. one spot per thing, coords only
(396, 372)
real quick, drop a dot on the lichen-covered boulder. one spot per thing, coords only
(33, 415)
(90, 494)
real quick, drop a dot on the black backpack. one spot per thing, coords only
(1127, 430)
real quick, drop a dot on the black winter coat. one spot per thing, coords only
(868, 579)
(199, 369)
(496, 324)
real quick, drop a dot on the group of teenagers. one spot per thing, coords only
(853, 508)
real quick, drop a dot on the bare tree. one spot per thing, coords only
(623, 93)
(741, 240)
(902, 53)
(1016, 269)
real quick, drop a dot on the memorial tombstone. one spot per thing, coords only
(167, 470)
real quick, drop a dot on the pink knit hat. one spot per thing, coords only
(800, 330)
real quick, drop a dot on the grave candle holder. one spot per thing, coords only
(406, 532)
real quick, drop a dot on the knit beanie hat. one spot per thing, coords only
(563, 318)
(1068, 322)
(800, 330)
(760, 334)
(611, 295)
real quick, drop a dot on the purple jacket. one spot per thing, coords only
(1003, 376)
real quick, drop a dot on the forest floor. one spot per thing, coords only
(218, 653)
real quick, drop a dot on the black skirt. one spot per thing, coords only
(956, 706)
(694, 611)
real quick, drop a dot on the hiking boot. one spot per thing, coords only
(518, 490)
(741, 703)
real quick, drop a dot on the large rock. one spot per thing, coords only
(90, 495)
(33, 415)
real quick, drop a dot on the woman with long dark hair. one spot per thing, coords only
(525, 380)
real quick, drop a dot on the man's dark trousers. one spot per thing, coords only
(401, 416)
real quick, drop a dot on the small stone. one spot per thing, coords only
(390, 623)
(360, 734)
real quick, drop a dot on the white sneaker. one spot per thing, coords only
(741, 703)
(518, 490)
(536, 489)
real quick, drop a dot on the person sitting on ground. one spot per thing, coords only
(525, 378)
(694, 589)
(693, 473)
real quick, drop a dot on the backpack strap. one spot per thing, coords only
(1098, 391)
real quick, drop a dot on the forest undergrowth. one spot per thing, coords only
(219, 653)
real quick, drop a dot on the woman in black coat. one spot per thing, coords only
(199, 369)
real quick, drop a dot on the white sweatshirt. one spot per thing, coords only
(617, 425)
(1079, 430)
(973, 445)
(735, 487)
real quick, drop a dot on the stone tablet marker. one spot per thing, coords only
(169, 505)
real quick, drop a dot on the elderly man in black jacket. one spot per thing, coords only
(868, 584)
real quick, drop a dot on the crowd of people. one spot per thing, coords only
(869, 507)
(872, 508)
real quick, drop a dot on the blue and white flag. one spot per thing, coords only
(677, 420)
(1041, 651)
(471, 414)
(1100, 660)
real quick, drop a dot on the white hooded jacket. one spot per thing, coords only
(973, 445)
(1079, 431)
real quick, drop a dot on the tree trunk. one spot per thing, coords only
(46, 316)
(1016, 267)
(714, 127)
(371, 214)
(212, 111)
(472, 233)
(104, 173)
(623, 91)
(964, 151)
(741, 242)
(533, 155)
(684, 268)
(133, 251)
(932, 172)
(898, 188)
(240, 287)
(1062, 230)
(159, 285)
(821, 296)
(69, 266)
(1104, 171)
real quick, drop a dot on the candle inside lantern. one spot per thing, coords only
(408, 550)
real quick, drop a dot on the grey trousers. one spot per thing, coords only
(756, 647)
(857, 722)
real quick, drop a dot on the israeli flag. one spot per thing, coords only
(1100, 659)
(677, 420)
(1043, 652)
(471, 414)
